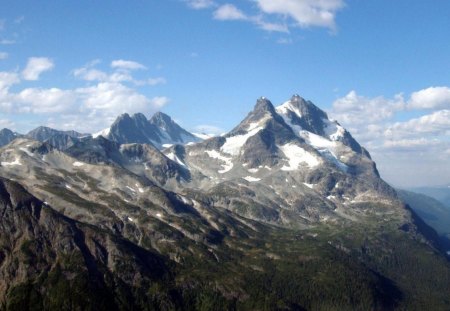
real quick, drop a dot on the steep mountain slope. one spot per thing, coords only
(49, 261)
(285, 212)
(159, 131)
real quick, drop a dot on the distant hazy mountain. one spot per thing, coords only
(6, 136)
(441, 194)
(160, 131)
(43, 133)
(434, 212)
(59, 139)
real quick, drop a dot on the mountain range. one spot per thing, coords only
(287, 211)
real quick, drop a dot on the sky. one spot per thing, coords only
(379, 67)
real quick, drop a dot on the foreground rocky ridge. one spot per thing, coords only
(287, 192)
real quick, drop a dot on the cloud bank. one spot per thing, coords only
(417, 145)
(87, 108)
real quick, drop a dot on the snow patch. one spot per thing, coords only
(28, 152)
(234, 144)
(103, 133)
(297, 155)
(68, 186)
(141, 190)
(253, 170)
(203, 135)
(310, 186)
(325, 146)
(131, 189)
(251, 179)
(130, 219)
(286, 107)
(217, 155)
(331, 157)
(16, 162)
(317, 141)
(174, 158)
(254, 125)
(334, 130)
(76, 163)
(167, 145)
(158, 215)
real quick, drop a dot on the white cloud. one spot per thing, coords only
(156, 81)
(229, 12)
(5, 123)
(107, 96)
(354, 109)
(3, 55)
(7, 79)
(437, 123)
(87, 109)
(270, 27)
(408, 150)
(285, 41)
(127, 65)
(159, 101)
(279, 15)
(44, 101)
(430, 98)
(408, 145)
(90, 74)
(93, 107)
(305, 13)
(35, 67)
(200, 4)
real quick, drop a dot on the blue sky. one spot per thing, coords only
(381, 68)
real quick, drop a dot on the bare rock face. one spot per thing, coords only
(159, 131)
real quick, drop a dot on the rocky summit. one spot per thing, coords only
(287, 211)
(160, 131)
